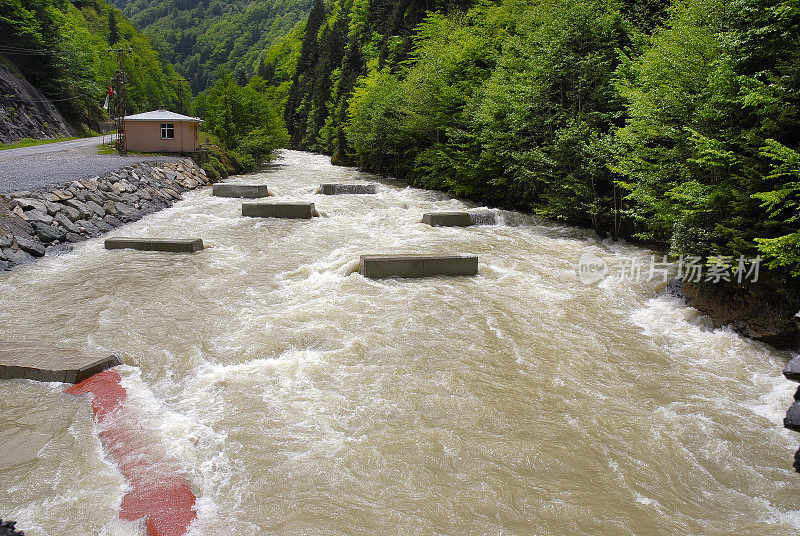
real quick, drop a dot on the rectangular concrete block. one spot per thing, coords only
(245, 191)
(296, 211)
(459, 219)
(345, 189)
(447, 219)
(171, 245)
(485, 217)
(412, 266)
(50, 364)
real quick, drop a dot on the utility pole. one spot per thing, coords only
(120, 108)
(181, 80)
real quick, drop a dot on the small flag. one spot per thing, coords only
(108, 96)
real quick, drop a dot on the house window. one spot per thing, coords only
(167, 131)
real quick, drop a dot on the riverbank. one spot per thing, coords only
(35, 223)
(762, 311)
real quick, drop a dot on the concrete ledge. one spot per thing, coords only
(344, 189)
(50, 364)
(292, 211)
(171, 245)
(459, 219)
(412, 266)
(485, 217)
(247, 191)
(792, 420)
(792, 370)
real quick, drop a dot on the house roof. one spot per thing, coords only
(161, 115)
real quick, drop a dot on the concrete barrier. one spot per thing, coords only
(447, 219)
(412, 266)
(485, 217)
(296, 211)
(792, 420)
(459, 219)
(792, 370)
(344, 189)
(247, 191)
(172, 245)
(43, 364)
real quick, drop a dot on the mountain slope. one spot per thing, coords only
(200, 38)
(62, 48)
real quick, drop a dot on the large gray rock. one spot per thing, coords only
(9, 528)
(792, 370)
(5, 265)
(792, 420)
(102, 225)
(62, 219)
(31, 204)
(72, 213)
(15, 256)
(31, 246)
(112, 221)
(80, 206)
(37, 216)
(49, 233)
(6, 239)
(88, 228)
(98, 210)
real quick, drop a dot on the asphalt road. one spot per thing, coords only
(40, 166)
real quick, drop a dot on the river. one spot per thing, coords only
(298, 397)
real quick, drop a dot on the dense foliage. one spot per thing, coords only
(674, 123)
(243, 118)
(201, 38)
(62, 48)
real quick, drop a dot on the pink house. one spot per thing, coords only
(162, 131)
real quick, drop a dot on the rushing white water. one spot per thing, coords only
(298, 397)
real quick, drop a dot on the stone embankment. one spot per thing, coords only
(33, 223)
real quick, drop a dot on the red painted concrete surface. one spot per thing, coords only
(157, 493)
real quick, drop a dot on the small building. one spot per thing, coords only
(162, 131)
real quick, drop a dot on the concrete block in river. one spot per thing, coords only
(792, 370)
(172, 245)
(413, 266)
(344, 189)
(47, 364)
(447, 219)
(792, 420)
(248, 191)
(298, 211)
(459, 219)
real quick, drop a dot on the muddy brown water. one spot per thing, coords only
(299, 398)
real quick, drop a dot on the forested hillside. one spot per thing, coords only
(201, 38)
(62, 48)
(677, 124)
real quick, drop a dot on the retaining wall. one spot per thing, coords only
(35, 222)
